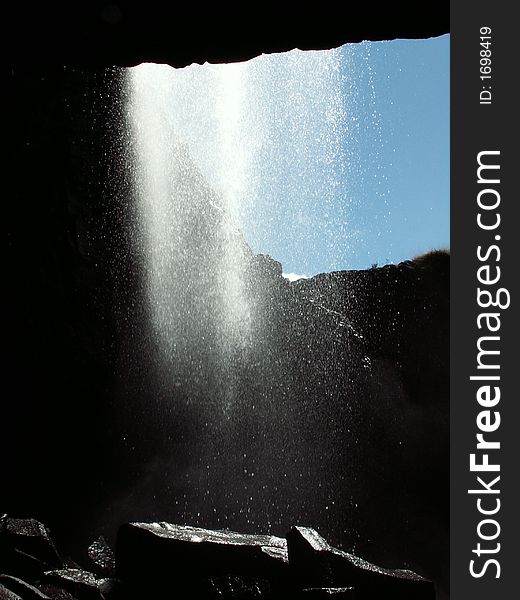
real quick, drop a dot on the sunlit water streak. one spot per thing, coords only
(233, 148)
(254, 424)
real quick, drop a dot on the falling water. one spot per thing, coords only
(222, 156)
(219, 150)
(188, 238)
(263, 409)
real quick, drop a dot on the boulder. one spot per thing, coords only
(26, 549)
(6, 594)
(83, 585)
(18, 563)
(315, 563)
(237, 588)
(22, 588)
(102, 556)
(30, 537)
(343, 593)
(153, 557)
(55, 592)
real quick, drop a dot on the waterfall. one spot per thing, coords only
(219, 150)
(192, 251)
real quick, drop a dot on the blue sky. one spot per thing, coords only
(326, 160)
(388, 166)
(410, 82)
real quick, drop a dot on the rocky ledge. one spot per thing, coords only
(163, 560)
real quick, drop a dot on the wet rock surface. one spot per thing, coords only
(164, 560)
(349, 371)
(29, 538)
(6, 594)
(328, 593)
(102, 556)
(21, 588)
(209, 556)
(316, 563)
(80, 583)
(26, 548)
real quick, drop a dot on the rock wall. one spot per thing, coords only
(358, 447)
(161, 560)
(104, 34)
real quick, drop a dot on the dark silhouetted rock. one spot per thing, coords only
(347, 593)
(22, 588)
(160, 560)
(310, 391)
(317, 564)
(158, 556)
(237, 588)
(102, 556)
(29, 537)
(26, 549)
(124, 33)
(20, 564)
(56, 593)
(6, 594)
(81, 584)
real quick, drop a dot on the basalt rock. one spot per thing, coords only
(153, 557)
(315, 563)
(26, 547)
(348, 372)
(83, 585)
(163, 560)
(329, 593)
(106, 34)
(236, 588)
(102, 556)
(7, 594)
(22, 588)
